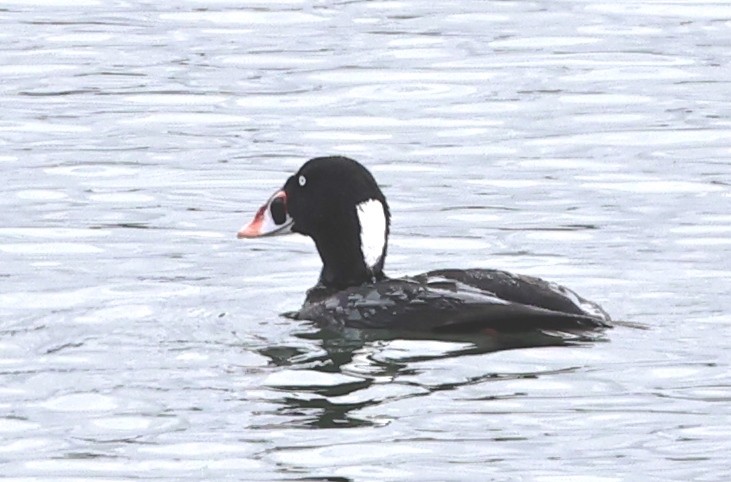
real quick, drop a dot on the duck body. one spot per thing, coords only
(336, 201)
(454, 301)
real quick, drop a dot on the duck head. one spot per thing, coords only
(337, 202)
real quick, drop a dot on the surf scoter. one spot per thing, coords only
(337, 202)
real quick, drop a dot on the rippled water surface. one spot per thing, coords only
(585, 142)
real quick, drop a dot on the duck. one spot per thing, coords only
(336, 201)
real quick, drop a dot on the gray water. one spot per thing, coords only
(584, 142)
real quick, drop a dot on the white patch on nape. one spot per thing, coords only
(372, 219)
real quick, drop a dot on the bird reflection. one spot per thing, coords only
(358, 354)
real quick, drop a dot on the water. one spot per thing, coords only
(584, 142)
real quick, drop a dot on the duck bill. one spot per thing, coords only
(272, 219)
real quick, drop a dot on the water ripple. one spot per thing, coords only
(583, 142)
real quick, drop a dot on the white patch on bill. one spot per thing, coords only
(372, 219)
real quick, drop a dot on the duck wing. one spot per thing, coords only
(522, 289)
(437, 304)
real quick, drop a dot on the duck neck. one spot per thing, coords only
(343, 264)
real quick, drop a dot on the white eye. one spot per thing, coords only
(302, 181)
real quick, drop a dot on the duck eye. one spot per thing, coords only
(302, 181)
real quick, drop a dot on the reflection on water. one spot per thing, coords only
(353, 370)
(582, 142)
